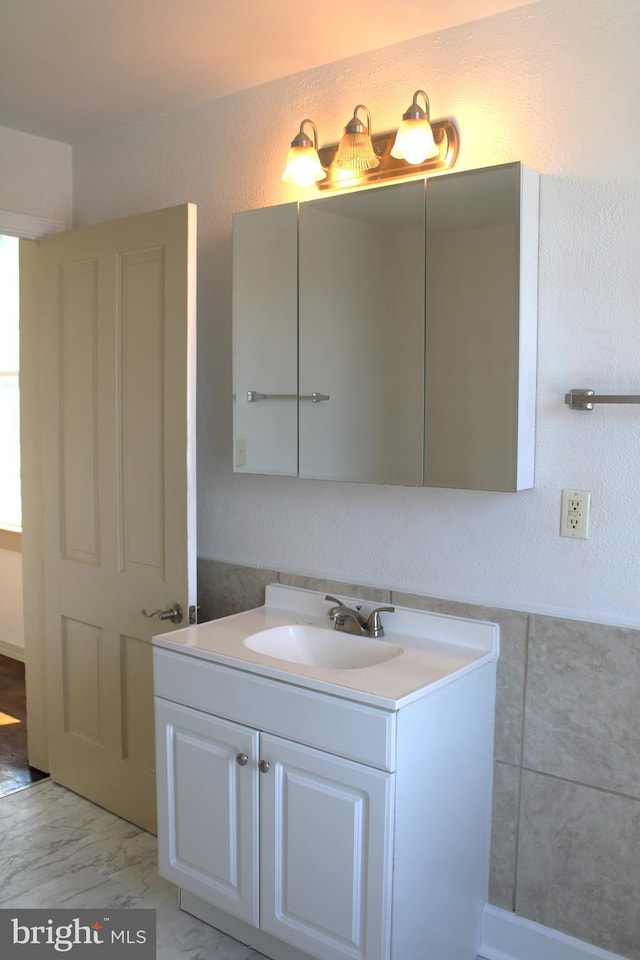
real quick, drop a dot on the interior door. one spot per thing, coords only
(116, 415)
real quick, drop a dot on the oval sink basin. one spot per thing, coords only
(317, 647)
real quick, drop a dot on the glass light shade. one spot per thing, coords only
(303, 166)
(414, 141)
(355, 151)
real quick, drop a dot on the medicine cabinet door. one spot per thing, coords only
(265, 340)
(482, 249)
(361, 335)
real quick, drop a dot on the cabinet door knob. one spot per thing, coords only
(242, 759)
(263, 766)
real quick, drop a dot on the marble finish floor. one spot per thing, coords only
(59, 850)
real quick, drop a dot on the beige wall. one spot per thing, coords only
(11, 619)
(35, 176)
(35, 182)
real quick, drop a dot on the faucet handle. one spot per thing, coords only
(335, 600)
(339, 605)
(374, 623)
(333, 612)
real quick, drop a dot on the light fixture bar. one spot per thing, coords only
(445, 135)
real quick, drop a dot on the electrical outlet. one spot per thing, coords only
(574, 514)
(241, 453)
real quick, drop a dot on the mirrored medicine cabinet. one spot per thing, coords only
(388, 335)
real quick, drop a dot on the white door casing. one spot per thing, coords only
(30, 228)
(116, 313)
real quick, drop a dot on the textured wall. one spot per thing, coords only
(553, 84)
(35, 176)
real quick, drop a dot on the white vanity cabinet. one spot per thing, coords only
(290, 839)
(301, 851)
(311, 821)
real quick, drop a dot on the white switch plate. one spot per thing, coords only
(574, 514)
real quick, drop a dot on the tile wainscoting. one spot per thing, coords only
(566, 818)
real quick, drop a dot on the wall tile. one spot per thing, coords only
(579, 862)
(226, 588)
(506, 792)
(336, 587)
(511, 665)
(582, 718)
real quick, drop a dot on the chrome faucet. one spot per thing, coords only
(352, 621)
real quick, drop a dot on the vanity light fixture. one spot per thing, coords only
(355, 151)
(303, 163)
(418, 146)
(414, 139)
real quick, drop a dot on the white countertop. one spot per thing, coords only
(436, 648)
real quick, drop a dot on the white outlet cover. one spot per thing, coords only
(574, 514)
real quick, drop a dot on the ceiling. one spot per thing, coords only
(72, 69)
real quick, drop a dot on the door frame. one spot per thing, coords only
(31, 228)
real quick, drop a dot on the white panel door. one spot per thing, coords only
(208, 807)
(326, 828)
(117, 390)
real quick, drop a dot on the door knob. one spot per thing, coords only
(264, 766)
(242, 759)
(174, 613)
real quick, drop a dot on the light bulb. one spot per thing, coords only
(303, 163)
(303, 167)
(414, 142)
(414, 139)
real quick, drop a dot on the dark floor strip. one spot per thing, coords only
(15, 772)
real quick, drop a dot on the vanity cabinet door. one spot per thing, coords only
(326, 839)
(208, 807)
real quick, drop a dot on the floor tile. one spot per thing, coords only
(60, 850)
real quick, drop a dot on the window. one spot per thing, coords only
(10, 498)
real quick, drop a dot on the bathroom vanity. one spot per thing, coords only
(325, 795)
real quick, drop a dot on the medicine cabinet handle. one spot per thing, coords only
(254, 395)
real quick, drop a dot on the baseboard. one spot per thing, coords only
(13, 650)
(506, 936)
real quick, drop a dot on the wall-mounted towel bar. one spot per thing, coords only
(585, 399)
(253, 396)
